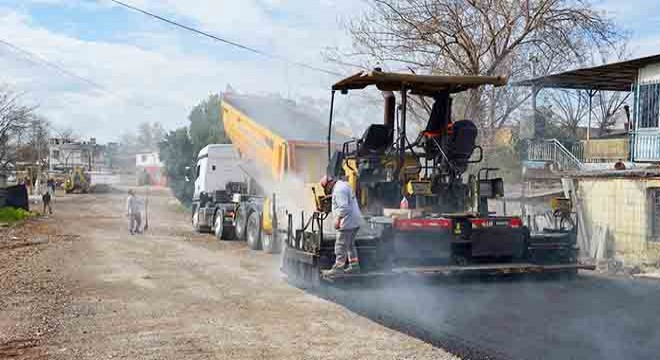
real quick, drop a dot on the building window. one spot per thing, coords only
(648, 107)
(143, 158)
(654, 197)
(56, 154)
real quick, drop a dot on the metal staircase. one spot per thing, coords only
(555, 151)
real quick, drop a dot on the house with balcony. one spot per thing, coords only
(613, 179)
(65, 155)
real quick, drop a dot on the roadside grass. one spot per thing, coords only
(10, 215)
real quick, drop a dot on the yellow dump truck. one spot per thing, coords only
(283, 150)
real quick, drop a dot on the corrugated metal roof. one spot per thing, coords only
(284, 118)
(418, 84)
(617, 76)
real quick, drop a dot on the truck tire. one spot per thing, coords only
(221, 231)
(253, 231)
(270, 244)
(218, 225)
(195, 220)
(240, 222)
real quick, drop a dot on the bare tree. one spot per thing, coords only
(570, 108)
(14, 118)
(34, 144)
(480, 37)
(66, 134)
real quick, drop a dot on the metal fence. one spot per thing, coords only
(602, 150)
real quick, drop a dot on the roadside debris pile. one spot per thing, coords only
(28, 285)
(30, 233)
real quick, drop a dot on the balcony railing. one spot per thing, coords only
(646, 145)
(602, 150)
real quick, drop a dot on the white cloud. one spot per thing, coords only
(158, 69)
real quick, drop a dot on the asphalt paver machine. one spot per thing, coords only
(424, 212)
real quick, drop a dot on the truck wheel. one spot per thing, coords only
(195, 220)
(218, 226)
(270, 244)
(240, 223)
(253, 231)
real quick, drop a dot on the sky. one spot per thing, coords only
(138, 69)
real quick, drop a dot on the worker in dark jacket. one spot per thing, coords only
(348, 218)
(46, 198)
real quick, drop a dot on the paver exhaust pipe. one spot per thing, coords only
(390, 108)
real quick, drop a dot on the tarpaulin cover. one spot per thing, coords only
(15, 196)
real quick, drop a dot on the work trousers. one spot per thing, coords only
(135, 221)
(345, 249)
(48, 209)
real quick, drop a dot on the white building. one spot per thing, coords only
(65, 155)
(147, 159)
(150, 170)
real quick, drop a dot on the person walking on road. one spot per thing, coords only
(348, 217)
(51, 186)
(46, 198)
(133, 212)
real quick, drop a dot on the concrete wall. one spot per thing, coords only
(620, 209)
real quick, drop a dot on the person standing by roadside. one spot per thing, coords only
(45, 198)
(348, 217)
(133, 212)
(51, 186)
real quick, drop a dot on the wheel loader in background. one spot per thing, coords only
(422, 212)
(77, 181)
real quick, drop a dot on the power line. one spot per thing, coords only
(228, 42)
(40, 60)
(34, 58)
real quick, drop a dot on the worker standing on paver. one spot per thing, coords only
(133, 212)
(348, 217)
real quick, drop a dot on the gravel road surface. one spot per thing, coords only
(77, 286)
(168, 294)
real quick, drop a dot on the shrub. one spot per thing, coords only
(12, 215)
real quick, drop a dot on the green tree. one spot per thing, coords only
(179, 148)
(149, 135)
(206, 124)
(176, 151)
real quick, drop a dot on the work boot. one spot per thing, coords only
(353, 269)
(334, 271)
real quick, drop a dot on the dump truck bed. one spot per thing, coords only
(279, 136)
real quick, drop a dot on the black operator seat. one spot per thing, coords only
(462, 141)
(376, 139)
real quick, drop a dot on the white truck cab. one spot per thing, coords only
(217, 165)
(217, 177)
